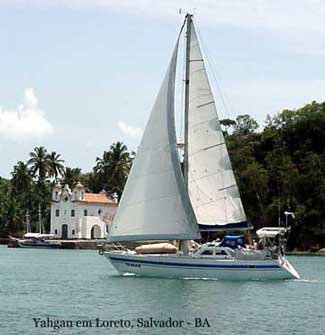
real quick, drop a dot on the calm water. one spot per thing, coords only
(81, 285)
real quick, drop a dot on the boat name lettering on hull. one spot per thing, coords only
(134, 265)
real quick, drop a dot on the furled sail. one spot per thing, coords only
(211, 183)
(154, 204)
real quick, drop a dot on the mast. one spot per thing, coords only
(187, 95)
(39, 219)
(27, 222)
(185, 245)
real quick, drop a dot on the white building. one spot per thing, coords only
(79, 215)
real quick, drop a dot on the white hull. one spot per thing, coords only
(191, 267)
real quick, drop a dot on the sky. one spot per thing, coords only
(77, 75)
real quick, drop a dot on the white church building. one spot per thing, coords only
(76, 214)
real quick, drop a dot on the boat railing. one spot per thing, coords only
(109, 246)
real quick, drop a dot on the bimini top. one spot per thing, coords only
(271, 231)
(233, 241)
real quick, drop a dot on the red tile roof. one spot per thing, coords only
(98, 199)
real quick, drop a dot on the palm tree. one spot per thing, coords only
(103, 165)
(39, 163)
(55, 166)
(71, 176)
(13, 216)
(21, 178)
(113, 168)
(21, 184)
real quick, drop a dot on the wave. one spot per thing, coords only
(309, 280)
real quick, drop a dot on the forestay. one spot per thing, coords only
(211, 183)
(154, 204)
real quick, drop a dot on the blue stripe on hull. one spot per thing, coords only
(205, 266)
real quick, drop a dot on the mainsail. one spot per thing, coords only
(155, 204)
(212, 186)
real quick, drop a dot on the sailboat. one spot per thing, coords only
(37, 240)
(160, 202)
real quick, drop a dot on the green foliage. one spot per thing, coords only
(282, 167)
(10, 209)
(113, 168)
(71, 176)
(39, 163)
(245, 125)
(31, 184)
(54, 165)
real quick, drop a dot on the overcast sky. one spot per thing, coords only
(76, 75)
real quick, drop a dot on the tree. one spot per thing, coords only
(102, 167)
(55, 165)
(282, 165)
(14, 215)
(245, 125)
(282, 172)
(11, 211)
(254, 185)
(21, 178)
(71, 176)
(39, 163)
(22, 183)
(4, 198)
(227, 124)
(113, 168)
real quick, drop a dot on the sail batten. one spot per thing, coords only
(212, 186)
(154, 203)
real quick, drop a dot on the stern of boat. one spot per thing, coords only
(287, 266)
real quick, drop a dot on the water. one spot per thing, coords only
(81, 285)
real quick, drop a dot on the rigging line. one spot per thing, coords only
(182, 27)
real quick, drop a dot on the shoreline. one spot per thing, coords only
(65, 244)
(305, 253)
(93, 245)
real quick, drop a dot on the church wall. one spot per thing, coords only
(79, 226)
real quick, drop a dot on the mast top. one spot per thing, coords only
(188, 16)
(187, 13)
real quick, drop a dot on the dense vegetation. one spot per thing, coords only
(281, 167)
(32, 181)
